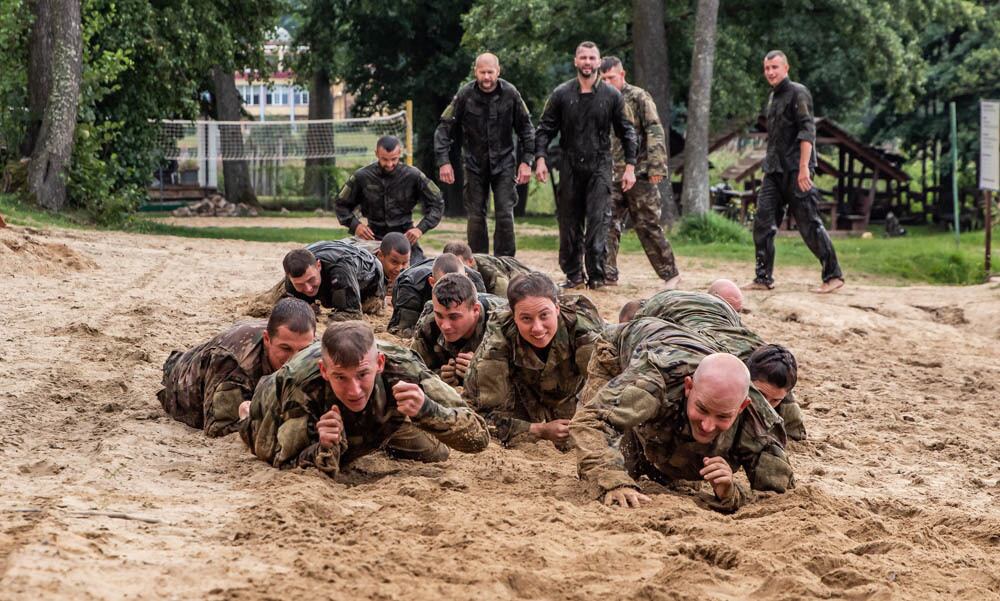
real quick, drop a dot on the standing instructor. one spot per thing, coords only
(583, 111)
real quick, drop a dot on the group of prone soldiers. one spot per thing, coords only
(679, 391)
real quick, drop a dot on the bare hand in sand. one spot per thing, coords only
(409, 398)
(718, 473)
(625, 497)
(329, 427)
(556, 430)
(448, 373)
(462, 363)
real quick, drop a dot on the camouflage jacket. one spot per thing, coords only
(411, 292)
(789, 122)
(498, 271)
(204, 386)
(434, 350)
(344, 266)
(706, 314)
(512, 387)
(647, 398)
(652, 153)
(387, 200)
(487, 122)
(281, 429)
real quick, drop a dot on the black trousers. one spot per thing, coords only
(583, 210)
(780, 191)
(476, 198)
(416, 253)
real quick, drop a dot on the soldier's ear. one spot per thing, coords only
(688, 385)
(744, 404)
(322, 369)
(380, 362)
(319, 265)
(267, 339)
(431, 280)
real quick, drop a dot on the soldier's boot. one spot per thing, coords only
(410, 442)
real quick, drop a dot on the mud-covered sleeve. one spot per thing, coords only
(628, 400)
(444, 134)
(347, 201)
(445, 416)
(222, 408)
(488, 388)
(791, 413)
(548, 125)
(624, 130)
(804, 121)
(407, 305)
(525, 130)
(652, 128)
(422, 344)
(282, 432)
(759, 450)
(433, 203)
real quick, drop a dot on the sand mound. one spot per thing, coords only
(24, 251)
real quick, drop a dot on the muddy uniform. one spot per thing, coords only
(713, 317)
(387, 200)
(513, 385)
(637, 423)
(488, 121)
(584, 123)
(497, 272)
(281, 429)
(352, 280)
(429, 344)
(789, 122)
(411, 292)
(642, 202)
(204, 386)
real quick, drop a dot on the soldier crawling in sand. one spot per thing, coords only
(531, 364)
(678, 409)
(204, 386)
(350, 395)
(496, 271)
(413, 290)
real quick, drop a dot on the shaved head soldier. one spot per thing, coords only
(583, 112)
(488, 111)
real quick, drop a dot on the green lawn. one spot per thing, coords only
(924, 255)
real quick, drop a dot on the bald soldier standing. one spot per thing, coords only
(642, 201)
(488, 110)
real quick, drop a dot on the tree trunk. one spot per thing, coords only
(227, 108)
(652, 72)
(319, 137)
(56, 61)
(694, 197)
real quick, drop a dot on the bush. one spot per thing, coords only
(711, 229)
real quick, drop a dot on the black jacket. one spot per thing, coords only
(584, 123)
(412, 290)
(789, 121)
(387, 199)
(488, 122)
(340, 259)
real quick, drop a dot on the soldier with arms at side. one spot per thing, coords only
(349, 396)
(386, 192)
(532, 362)
(205, 386)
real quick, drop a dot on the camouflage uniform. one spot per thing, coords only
(387, 201)
(411, 292)
(642, 201)
(713, 317)
(637, 423)
(497, 272)
(204, 386)
(352, 280)
(513, 387)
(429, 344)
(281, 429)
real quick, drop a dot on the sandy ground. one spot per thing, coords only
(105, 497)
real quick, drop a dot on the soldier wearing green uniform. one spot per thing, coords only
(532, 362)
(641, 202)
(495, 271)
(447, 336)
(413, 290)
(678, 410)
(715, 318)
(349, 396)
(204, 386)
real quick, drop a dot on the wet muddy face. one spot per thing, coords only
(709, 416)
(308, 283)
(353, 384)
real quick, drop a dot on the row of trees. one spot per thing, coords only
(101, 70)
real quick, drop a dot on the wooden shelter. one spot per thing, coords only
(869, 182)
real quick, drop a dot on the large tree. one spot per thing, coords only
(694, 198)
(227, 105)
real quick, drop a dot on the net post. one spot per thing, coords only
(409, 132)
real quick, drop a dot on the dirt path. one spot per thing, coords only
(104, 497)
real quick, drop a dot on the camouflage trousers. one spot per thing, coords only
(642, 203)
(410, 442)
